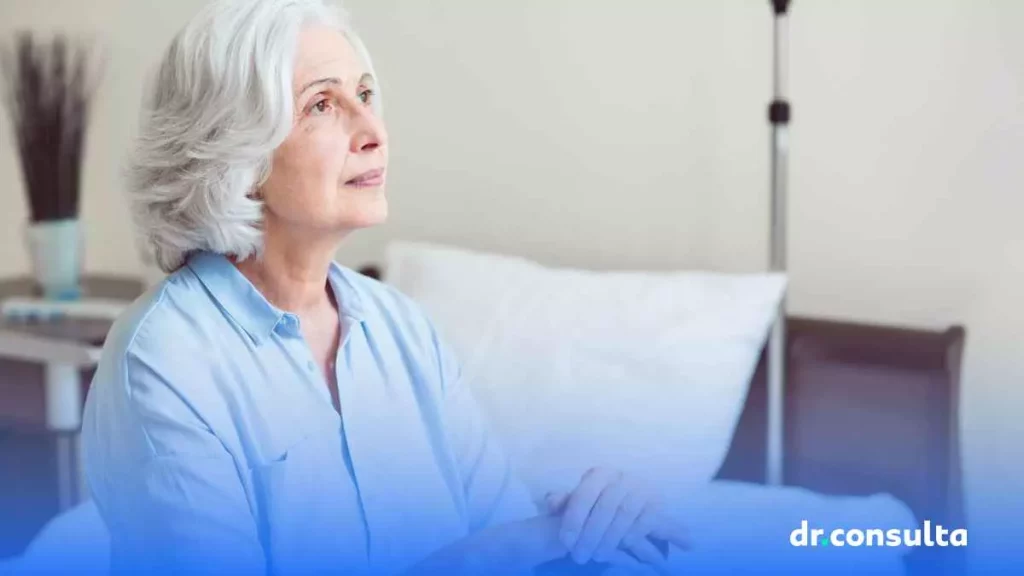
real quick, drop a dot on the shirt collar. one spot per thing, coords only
(346, 292)
(237, 296)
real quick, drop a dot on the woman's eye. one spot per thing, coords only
(321, 106)
(366, 96)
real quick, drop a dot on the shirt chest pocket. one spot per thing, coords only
(309, 511)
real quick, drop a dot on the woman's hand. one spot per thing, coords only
(609, 512)
(513, 548)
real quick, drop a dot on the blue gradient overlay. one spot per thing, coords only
(743, 539)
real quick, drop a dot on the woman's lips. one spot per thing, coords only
(369, 179)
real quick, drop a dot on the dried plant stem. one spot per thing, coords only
(48, 89)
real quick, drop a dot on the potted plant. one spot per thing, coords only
(48, 89)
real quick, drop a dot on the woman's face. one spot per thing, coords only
(328, 175)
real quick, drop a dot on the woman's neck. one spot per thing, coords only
(292, 276)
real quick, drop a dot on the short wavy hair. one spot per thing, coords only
(221, 103)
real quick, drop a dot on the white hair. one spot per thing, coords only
(220, 105)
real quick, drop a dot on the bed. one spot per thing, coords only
(871, 427)
(872, 411)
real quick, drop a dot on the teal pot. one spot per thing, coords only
(55, 249)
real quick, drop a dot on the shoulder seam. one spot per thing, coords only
(145, 317)
(124, 362)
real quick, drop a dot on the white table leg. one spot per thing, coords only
(64, 417)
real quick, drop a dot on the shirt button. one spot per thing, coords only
(311, 365)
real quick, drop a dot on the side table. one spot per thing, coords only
(45, 372)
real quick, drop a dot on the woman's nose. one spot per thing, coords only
(369, 133)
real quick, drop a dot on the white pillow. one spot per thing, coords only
(645, 372)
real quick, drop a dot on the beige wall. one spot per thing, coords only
(592, 134)
(132, 33)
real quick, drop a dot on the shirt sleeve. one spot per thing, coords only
(494, 493)
(168, 489)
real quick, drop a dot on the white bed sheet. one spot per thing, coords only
(736, 528)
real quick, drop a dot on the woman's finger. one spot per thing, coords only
(671, 531)
(600, 519)
(582, 501)
(647, 552)
(621, 562)
(626, 516)
(556, 501)
(644, 523)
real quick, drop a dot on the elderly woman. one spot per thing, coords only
(264, 409)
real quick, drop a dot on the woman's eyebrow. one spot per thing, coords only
(331, 80)
(366, 78)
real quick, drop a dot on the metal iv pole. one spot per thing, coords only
(778, 116)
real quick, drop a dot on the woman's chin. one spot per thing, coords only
(366, 210)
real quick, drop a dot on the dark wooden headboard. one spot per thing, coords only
(868, 409)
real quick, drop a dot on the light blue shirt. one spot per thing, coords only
(211, 443)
